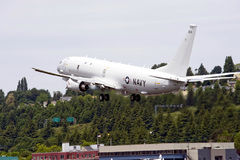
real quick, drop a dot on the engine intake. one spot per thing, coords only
(83, 87)
(75, 86)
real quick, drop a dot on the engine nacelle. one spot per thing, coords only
(75, 86)
(83, 87)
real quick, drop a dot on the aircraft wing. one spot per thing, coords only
(50, 73)
(103, 83)
(201, 78)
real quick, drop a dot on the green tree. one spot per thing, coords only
(42, 98)
(237, 67)
(189, 72)
(155, 66)
(216, 70)
(22, 85)
(190, 96)
(10, 101)
(228, 65)
(202, 71)
(237, 141)
(57, 95)
(1, 96)
(48, 131)
(237, 93)
(41, 148)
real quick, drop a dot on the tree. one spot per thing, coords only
(237, 141)
(42, 98)
(1, 96)
(237, 93)
(202, 71)
(190, 96)
(237, 67)
(189, 72)
(10, 101)
(57, 95)
(229, 65)
(48, 131)
(155, 66)
(22, 85)
(216, 70)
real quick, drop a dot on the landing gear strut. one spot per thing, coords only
(135, 97)
(103, 97)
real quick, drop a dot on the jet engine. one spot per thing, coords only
(83, 87)
(75, 86)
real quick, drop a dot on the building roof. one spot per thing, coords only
(8, 158)
(87, 148)
(165, 146)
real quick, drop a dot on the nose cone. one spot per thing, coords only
(60, 67)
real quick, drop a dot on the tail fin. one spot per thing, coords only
(180, 62)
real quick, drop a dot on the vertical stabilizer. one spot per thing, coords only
(180, 62)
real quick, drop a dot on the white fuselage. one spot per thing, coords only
(132, 79)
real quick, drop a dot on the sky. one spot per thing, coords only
(41, 33)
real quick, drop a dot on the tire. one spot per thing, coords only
(138, 97)
(106, 97)
(133, 97)
(101, 97)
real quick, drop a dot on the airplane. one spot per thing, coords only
(82, 72)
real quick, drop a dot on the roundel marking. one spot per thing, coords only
(127, 80)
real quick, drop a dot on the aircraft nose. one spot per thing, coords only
(60, 67)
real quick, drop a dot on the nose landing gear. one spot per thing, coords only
(135, 97)
(103, 97)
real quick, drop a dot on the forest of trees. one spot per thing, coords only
(209, 114)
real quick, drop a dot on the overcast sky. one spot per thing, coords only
(140, 32)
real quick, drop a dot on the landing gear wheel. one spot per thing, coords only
(133, 97)
(138, 97)
(101, 97)
(106, 97)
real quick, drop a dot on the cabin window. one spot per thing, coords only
(78, 67)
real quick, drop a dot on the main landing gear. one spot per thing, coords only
(135, 97)
(103, 97)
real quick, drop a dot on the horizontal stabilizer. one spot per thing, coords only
(209, 77)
